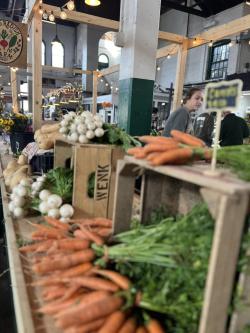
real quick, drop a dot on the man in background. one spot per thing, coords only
(204, 127)
(234, 130)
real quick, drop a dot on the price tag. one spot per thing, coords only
(219, 97)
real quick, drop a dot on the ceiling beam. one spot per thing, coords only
(216, 33)
(182, 8)
(79, 17)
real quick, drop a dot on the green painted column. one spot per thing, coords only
(139, 26)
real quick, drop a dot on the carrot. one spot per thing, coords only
(89, 298)
(103, 232)
(65, 262)
(95, 222)
(134, 150)
(56, 293)
(94, 283)
(154, 326)
(56, 223)
(141, 329)
(187, 139)
(72, 244)
(77, 270)
(43, 234)
(156, 139)
(79, 234)
(35, 246)
(54, 307)
(129, 326)
(121, 281)
(113, 323)
(173, 156)
(95, 310)
(91, 235)
(154, 147)
(86, 328)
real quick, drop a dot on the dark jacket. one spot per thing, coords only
(233, 130)
(178, 120)
(204, 127)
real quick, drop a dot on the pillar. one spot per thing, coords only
(140, 26)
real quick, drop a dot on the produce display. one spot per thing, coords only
(183, 148)
(46, 136)
(88, 128)
(88, 282)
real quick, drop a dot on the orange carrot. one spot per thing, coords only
(113, 323)
(94, 283)
(89, 298)
(95, 222)
(65, 262)
(56, 223)
(43, 234)
(91, 312)
(56, 293)
(154, 147)
(77, 270)
(121, 281)
(154, 326)
(103, 232)
(35, 246)
(91, 235)
(86, 328)
(155, 139)
(54, 307)
(79, 234)
(129, 326)
(71, 244)
(173, 156)
(187, 139)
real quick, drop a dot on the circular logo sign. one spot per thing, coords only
(11, 42)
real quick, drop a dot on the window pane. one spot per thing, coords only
(57, 55)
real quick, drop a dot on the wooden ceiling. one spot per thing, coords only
(111, 8)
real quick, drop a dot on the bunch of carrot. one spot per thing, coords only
(78, 295)
(181, 148)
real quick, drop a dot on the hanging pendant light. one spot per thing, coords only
(93, 2)
(56, 40)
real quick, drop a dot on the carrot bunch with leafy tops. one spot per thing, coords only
(181, 148)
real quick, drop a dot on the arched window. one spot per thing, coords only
(57, 54)
(43, 53)
(103, 61)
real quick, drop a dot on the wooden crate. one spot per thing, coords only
(180, 188)
(88, 159)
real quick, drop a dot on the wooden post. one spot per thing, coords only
(13, 79)
(94, 94)
(180, 74)
(37, 70)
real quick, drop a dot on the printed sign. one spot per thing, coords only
(13, 44)
(223, 95)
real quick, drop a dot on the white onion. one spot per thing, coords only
(12, 196)
(18, 212)
(99, 124)
(99, 132)
(91, 126)
(54, 201)
(74, 137)
(63, 130)
(64, 219)
(19, 201)
(54, 212)
(21, 191)
(44, 194)
(81, 128)
(11, 206)
(73, 127)
(64, 123)
(41, 179)
(90, 134)
(83, 139)
(26, 182)
(44, 207)
(66, 210)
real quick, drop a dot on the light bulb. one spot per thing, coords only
(106, 84)
(28, 38)
(230, 44)
(71, 5)
(63, 15)
(210, 44)
(51, 17)
(45, 15)
(93, 2)
(195, 41)
(158, 68)
(168, 56)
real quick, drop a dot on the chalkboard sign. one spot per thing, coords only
(13, 44)
(223, 95)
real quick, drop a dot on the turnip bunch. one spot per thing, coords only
(20, 198)
(52, 205)
(81, 127)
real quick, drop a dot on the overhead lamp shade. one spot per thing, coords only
(56, 40)
(93, 2)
